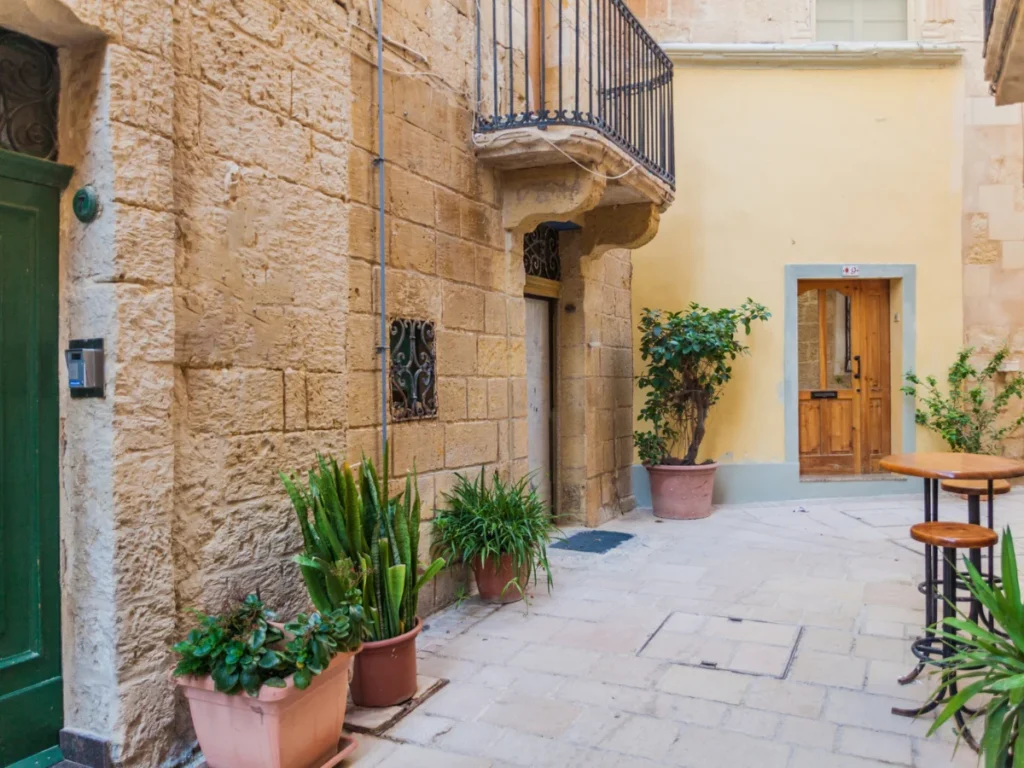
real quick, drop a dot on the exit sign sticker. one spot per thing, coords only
(851, 270)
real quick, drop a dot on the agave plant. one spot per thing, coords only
(349, 523)
(988, 664)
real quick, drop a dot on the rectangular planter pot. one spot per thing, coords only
(281, 728)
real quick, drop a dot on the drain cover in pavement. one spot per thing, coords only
(595, 542)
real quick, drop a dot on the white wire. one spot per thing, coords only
(586, 168)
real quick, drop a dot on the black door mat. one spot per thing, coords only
(595, 542)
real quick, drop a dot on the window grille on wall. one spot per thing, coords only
(412, 374)
(870, 21)
(540, 253)
(29, 85)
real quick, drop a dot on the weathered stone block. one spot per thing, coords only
(141, 91)
(470, 443)
(325, 394)
(494, 313)
(142, 167)
(446, 211)
(463, 307)
(451, 399)
(520, 438)
(476, 395)
(456, 353)
(455, 259)
(409, 196)
(497, 398)
(294, 400)
(411, 294)
(363, 392)
(235, 400)
(418, 445)
(412, 247)
(363, 335)
(493, 356)
(143, 395)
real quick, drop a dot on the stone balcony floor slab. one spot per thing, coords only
(586, 677)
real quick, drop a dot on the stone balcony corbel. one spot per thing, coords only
(564, 172)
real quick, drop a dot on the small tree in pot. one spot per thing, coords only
(689, 360)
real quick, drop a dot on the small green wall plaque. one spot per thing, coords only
(86, 204)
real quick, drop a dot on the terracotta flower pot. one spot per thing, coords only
(494, 575)
(682, 492)
(385, 671)
(280, 728)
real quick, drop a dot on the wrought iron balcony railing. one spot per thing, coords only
(584, 63)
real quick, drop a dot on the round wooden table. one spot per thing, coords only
(933, 468)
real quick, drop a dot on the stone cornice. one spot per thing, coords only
(815, 55)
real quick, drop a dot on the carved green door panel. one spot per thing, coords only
(31, 708)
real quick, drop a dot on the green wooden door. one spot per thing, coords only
(31, 699)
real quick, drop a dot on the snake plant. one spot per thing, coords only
(348, 519)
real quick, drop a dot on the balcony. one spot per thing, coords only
(1004, 50)
(576, 81)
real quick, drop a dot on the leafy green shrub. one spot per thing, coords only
(345, 524)
(987, 664)
(688, 360)
(504, 519)
(243, 651)
(970, 415)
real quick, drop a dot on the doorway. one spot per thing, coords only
(540, 394)
(31, 687)
(844, 376)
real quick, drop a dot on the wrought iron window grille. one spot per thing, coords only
(412, 372)
(589, 63)
(29, 87)
(540, 253)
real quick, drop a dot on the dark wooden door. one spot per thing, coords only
(843, 370)
(31, 703)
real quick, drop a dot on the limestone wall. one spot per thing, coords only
(233, 275)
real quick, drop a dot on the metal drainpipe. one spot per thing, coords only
(379, 162)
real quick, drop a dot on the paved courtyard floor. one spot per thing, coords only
(800, 613)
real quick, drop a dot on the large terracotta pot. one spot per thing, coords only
(494, 575)
(280, 728)
(385, 671)
(682, 493)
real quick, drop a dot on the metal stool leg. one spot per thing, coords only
(927, 586)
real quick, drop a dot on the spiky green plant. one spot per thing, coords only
(987, 664)
(506, 518)
(345, 519)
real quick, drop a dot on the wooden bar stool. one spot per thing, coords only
(950, 538)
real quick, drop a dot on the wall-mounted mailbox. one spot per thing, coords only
(84, 358)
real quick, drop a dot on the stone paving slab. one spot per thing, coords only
(600, 672)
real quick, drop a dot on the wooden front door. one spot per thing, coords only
(31, 708)
(843, 344)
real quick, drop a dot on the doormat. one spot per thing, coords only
(376, 720)
(594, 542)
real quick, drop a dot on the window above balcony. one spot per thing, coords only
(575, 81)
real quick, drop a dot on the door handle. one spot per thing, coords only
(856, 359)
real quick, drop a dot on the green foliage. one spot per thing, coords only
(506, 518)
(348, 519)
(970, 415)
(243, 651)
(986, 664)
(689, 360)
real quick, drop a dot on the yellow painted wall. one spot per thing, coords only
(797, 166)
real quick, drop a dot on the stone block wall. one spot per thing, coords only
(233, 275)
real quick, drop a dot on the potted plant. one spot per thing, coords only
(989, 665)
(971, 415)
(295, 678)
(502, 532)
(344, 521)
(689, 360)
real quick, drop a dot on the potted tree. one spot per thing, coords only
(502, 532)
(971, 415)
(295, 678)
(689, 360)
(343, 521)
